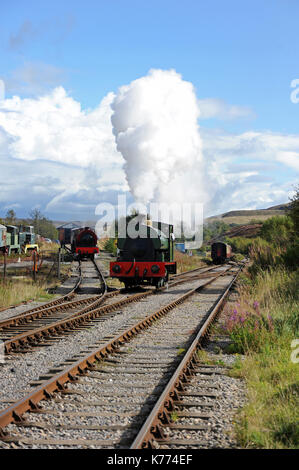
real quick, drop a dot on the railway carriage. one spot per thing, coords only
(220, 252)
(80, 241)
(65, 233)
(146, 259)
(3, 234)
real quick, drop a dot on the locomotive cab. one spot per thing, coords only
(144, 259)
(84, 242)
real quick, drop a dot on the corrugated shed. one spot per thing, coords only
(70, 225)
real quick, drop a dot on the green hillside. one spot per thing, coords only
(243, 217)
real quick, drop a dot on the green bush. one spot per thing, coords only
(263, 256)
(110, 246)
(240, 244)
(238, 257)
(262, 326)
(291, 257)
(277, 230)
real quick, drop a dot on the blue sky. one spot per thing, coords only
(242, 54)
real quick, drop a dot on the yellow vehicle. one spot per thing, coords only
(31, 248)
(27, 238)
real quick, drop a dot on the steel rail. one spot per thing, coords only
(21, 320)
(58, 382)
(100, 274)
(152, 429)
(74, 320)
(59, 304)
(202, 270)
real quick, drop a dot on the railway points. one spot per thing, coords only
(108, 352)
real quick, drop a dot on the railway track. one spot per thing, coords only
(169, 417)
(16, 326)
(37, 312)
(123, 408)
(22, 331)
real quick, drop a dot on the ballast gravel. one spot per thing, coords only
(161, 348)
(18, 371)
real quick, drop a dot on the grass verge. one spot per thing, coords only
(19, 286)
(13, 292)
(263, 325)
(187, 263)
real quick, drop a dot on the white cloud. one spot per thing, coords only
(249, 170)
(289, 158)
(34, 78)
(54, 153)
(219, 109)
(12, 206)
(52, 137)
(54, 127)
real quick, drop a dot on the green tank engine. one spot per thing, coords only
(146, 258)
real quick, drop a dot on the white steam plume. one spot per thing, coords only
(155, 126)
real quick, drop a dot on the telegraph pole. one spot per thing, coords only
(58, 266)
(34, 265)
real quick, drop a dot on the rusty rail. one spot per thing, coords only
(58, 382)
(58, 304)
(152, 429)
(74, 320)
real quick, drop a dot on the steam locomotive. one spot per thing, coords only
(147, 258)
(82, 241)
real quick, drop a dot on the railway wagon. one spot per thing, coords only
(146, 259)
(65, 233)
(84, 242)
(220, 252)
(3, 233)
(27, 239)
(15, 239)
(12, 239)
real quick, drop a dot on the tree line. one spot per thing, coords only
(42, 225)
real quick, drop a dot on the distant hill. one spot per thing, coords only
(244, 217)
(280, 207)
(248, 231)
(247, 218)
